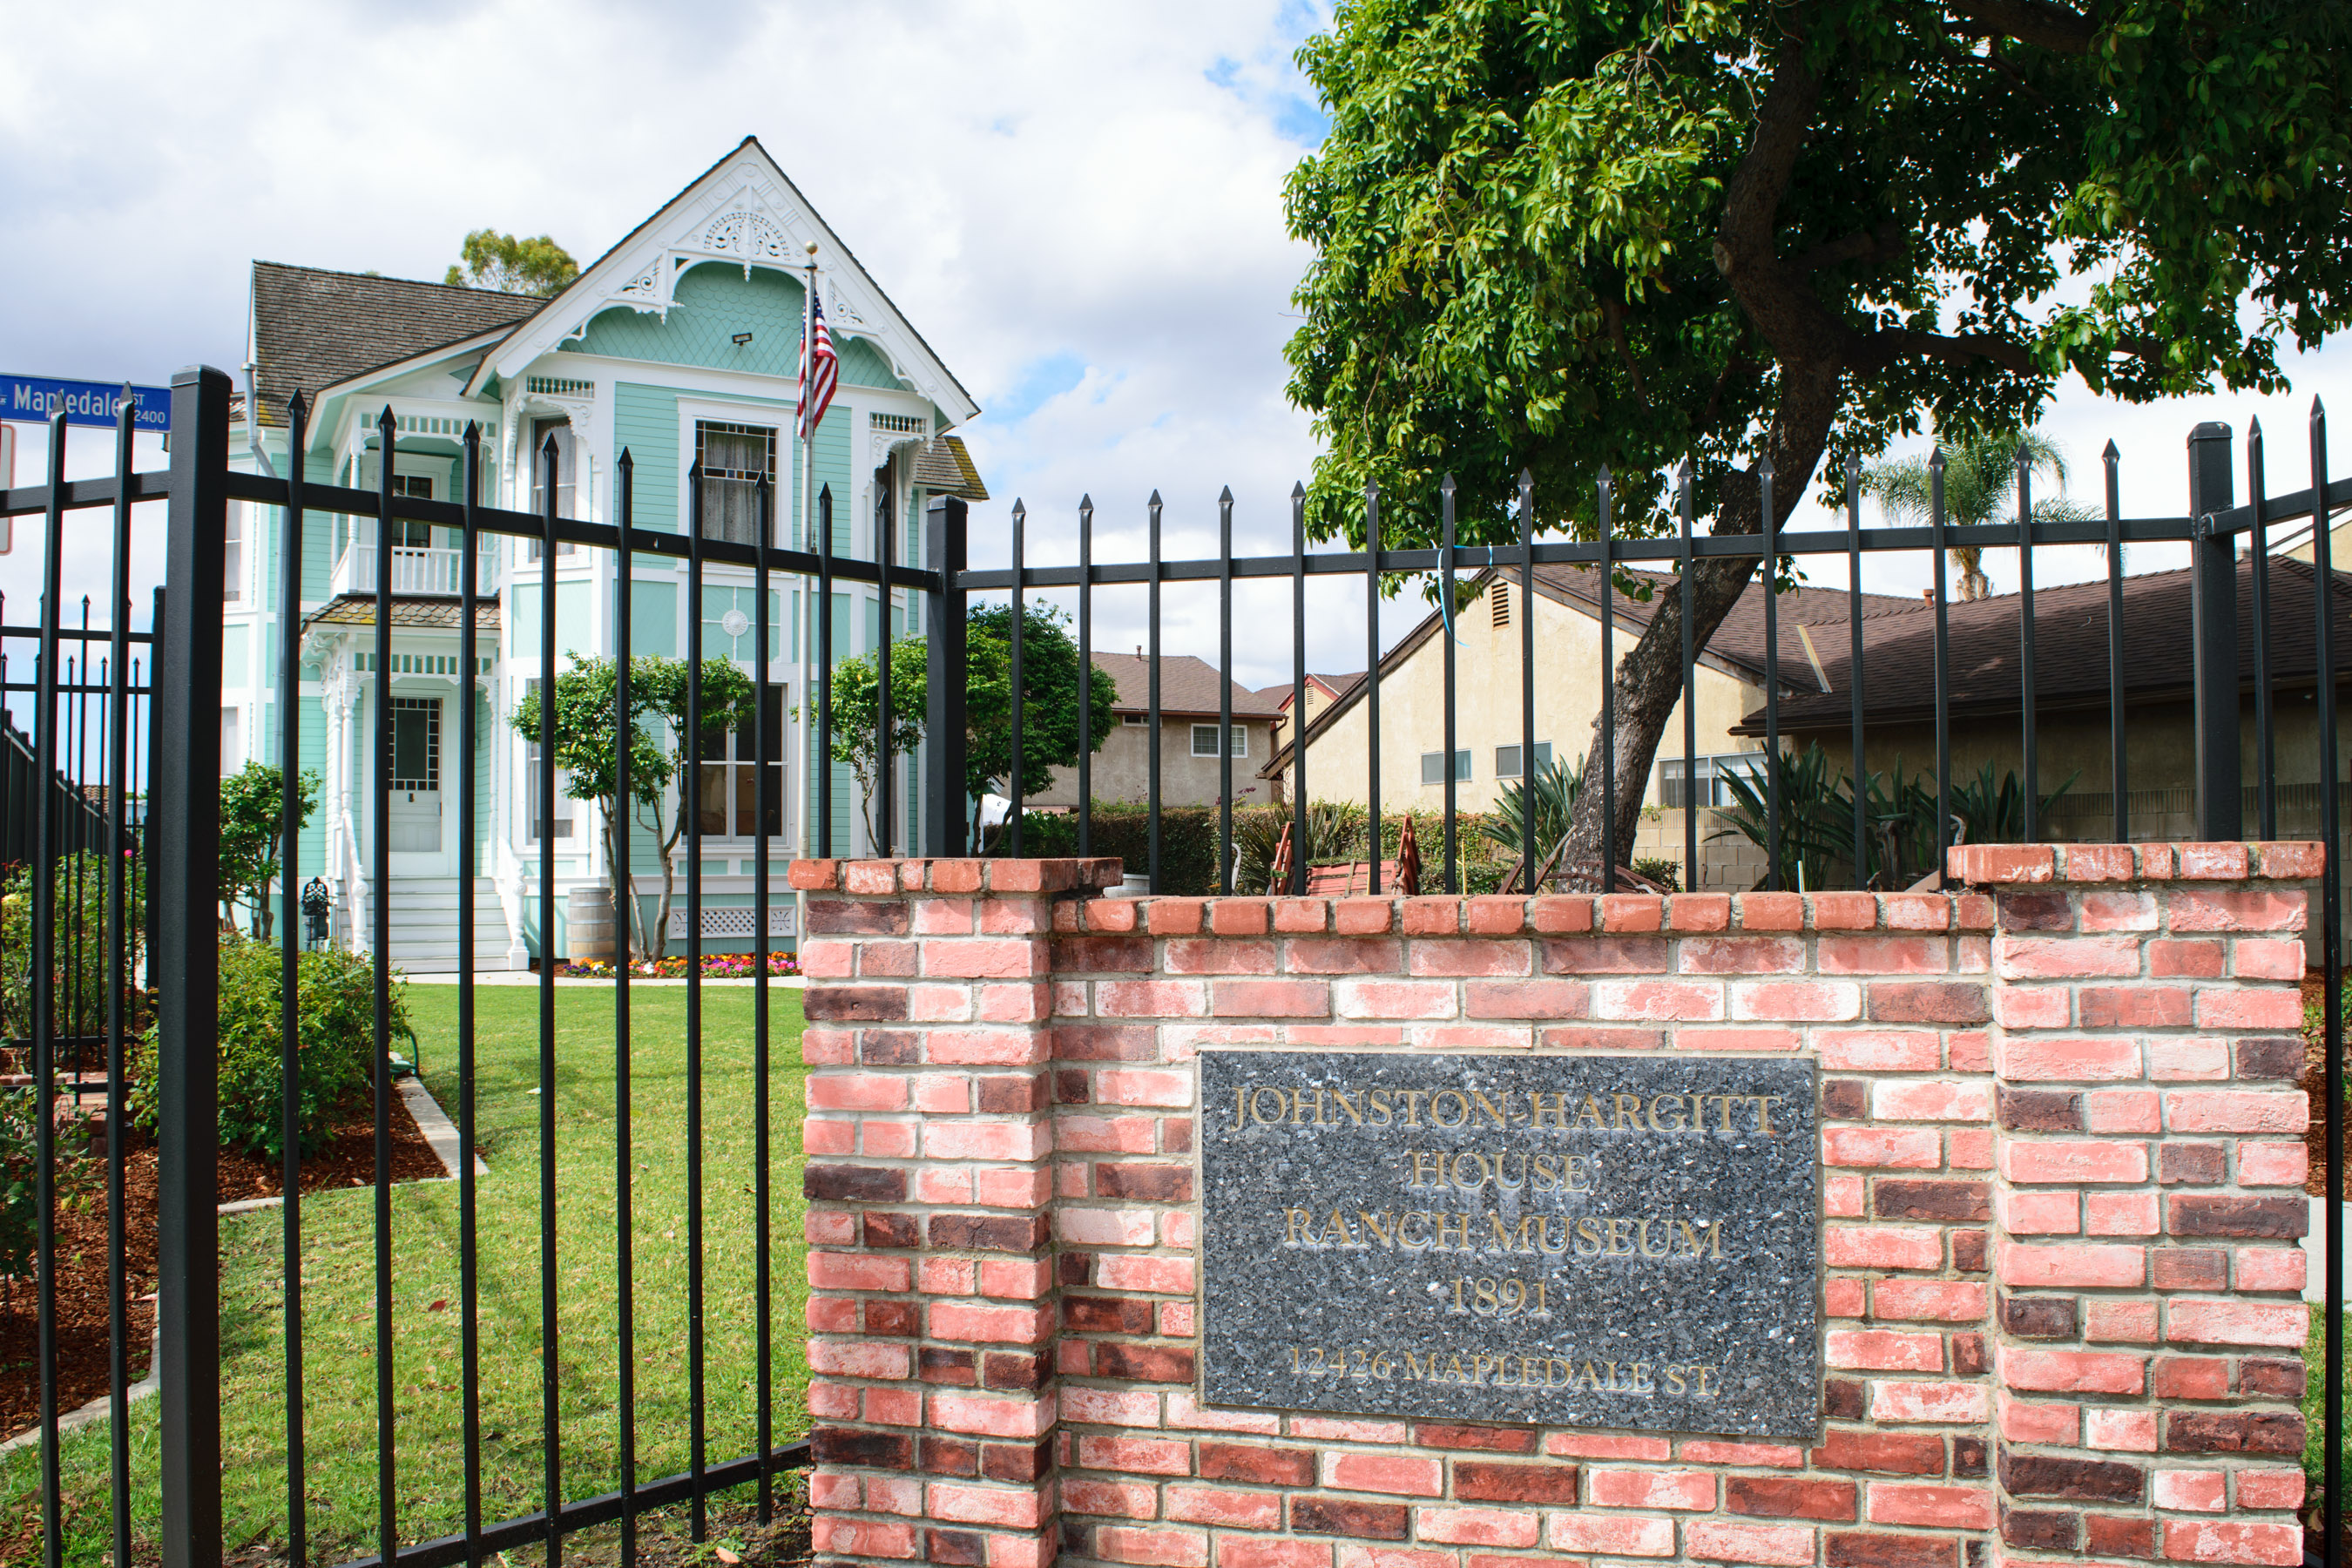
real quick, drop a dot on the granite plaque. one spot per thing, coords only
(1577, 1240)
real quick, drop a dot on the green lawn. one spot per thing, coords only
(340, 1288)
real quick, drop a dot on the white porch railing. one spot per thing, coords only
(414, 571)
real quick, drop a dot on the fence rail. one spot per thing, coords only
(184, 889)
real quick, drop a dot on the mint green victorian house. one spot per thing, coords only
(681, 341)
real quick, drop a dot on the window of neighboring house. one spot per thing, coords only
(233, 560)
(1507, 759)
(1432, 766)
(735, 459)
(727, 771)
(567, 458)
(535, 787)
(1204, 740)
(1706, 780)
(1133, 719)
(231, 746)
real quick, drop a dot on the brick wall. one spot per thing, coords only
(2060, 1183)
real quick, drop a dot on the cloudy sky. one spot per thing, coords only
(1078, 204)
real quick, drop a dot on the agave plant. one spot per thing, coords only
(1549, 797)
(1899, 838)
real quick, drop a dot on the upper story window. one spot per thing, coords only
(567, 458)
(233, 557)
(734, 459)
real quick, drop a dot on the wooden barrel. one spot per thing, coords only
(588, 924)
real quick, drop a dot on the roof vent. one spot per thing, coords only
(1502, 606)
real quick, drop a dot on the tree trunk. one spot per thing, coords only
(1649, 680)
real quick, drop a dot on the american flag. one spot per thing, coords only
(816, 392)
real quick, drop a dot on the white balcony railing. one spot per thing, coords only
(414, 571)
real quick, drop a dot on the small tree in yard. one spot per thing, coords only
(252, 837)
(1051, 725)
(858, 704)
(1049, 713)
(1562, 236)
(587, 748)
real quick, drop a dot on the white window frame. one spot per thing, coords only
(1543, 759)
(1711, 770)
(232, 564)
(1134, 721)
(528, 782)
(1433, 767)
(1240, 740)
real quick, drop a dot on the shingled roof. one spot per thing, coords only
(1737, 647)
(313, 328)
(2070, 650)
(944, 468)
(433, 614)
(1188, 687)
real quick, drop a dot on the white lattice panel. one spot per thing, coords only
(735, 922)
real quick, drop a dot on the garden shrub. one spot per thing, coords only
(336, 991)
(20, 1215)
(79, 957)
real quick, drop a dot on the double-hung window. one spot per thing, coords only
(727, 768)
(534, 788)
(734, 459)
(567, 461)
(1204, 740)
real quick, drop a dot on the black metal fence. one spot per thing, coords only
(183, 889)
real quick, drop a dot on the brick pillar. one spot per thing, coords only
(2147, 1199)
(930, 1142)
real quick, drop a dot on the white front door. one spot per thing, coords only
(419, 827)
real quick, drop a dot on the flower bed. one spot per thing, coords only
(715, 966)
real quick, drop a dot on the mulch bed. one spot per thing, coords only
(82, 1313)
(2315, 1088)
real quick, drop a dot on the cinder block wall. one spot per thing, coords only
(2061, 1184)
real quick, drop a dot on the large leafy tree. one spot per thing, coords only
(512, 266)
(1572, 234)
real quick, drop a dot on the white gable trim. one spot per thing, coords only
(746, 211)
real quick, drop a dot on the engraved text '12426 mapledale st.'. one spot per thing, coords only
(1586, 1240)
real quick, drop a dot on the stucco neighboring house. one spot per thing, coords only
(2072, 700)
(1189, 771)
(679, 344)
(1488, 633)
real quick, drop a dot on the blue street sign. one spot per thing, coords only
(33, 398)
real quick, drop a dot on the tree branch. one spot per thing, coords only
(1965, 348)
(2044, 26)
(1885, 242)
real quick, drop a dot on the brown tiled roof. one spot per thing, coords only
(313, 328)
(433, 614)
(944, 468)
(2070, 650)
(1739, 640)
(1188, 686)
(1336, 686)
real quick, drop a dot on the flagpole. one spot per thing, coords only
(814, 753)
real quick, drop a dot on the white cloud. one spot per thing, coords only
(1078, 204)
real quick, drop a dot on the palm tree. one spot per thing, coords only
(1980, 488)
